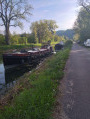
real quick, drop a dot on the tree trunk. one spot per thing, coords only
(7, 35)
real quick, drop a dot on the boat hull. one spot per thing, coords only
(30, 57)
(12, 60)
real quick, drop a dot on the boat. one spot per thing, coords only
(59, 46)
(26, 56)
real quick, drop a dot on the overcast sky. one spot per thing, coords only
(64, 12)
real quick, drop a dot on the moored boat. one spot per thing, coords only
(26, 56)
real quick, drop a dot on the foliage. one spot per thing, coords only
(85, 4)
(76, 37)
(68, 43)
(57, 38)
(82, 25)
(31, 38)
(22, 40)
(38, 95)
(2, 39)
(14, 39)
(43, 30)
(69, 33)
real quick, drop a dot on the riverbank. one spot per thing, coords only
(34, 95)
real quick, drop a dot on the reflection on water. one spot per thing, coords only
(2, 75)
(10, 74)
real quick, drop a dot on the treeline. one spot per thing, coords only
(82, 26)
(69, 33)
(41, 31)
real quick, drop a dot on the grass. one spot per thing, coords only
(36, 96)
(9, 47)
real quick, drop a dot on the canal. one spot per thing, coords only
(10, 74)
(2, 75)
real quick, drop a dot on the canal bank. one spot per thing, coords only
(10, 75)
(34, 95)
(13, 68)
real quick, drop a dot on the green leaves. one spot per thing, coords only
(82, 25)
(43, 30)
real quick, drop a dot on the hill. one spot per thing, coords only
(68, 33)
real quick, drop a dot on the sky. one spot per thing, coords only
(64, 12)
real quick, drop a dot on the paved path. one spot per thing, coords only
(76, 87)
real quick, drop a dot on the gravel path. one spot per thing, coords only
(73, 100)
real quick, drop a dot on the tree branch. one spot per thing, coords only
(85, 5)
(13, 25)
(87, 9)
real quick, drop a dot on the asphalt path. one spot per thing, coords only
(73, 99)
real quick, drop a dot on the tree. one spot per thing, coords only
(22, 40)
(14, 39)
(76, 37)
(82, 25)
(11, 14)
(85, 4)
(31, 38)
(43, 30)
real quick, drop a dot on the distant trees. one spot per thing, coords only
(82, 25)
(43, 30)
(66, 33)
(21, 39)
(14, 39)
(11, 14)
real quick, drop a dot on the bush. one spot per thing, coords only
(2, 39)
(68, 43)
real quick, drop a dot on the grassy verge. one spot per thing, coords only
(34, 96)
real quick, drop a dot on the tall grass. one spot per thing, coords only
(38, 96)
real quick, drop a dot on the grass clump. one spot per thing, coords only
(37, 101)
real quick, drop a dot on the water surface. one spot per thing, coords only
(9, 74)
(2, 75)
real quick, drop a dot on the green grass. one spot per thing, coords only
(37, 98)
(9, 47)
